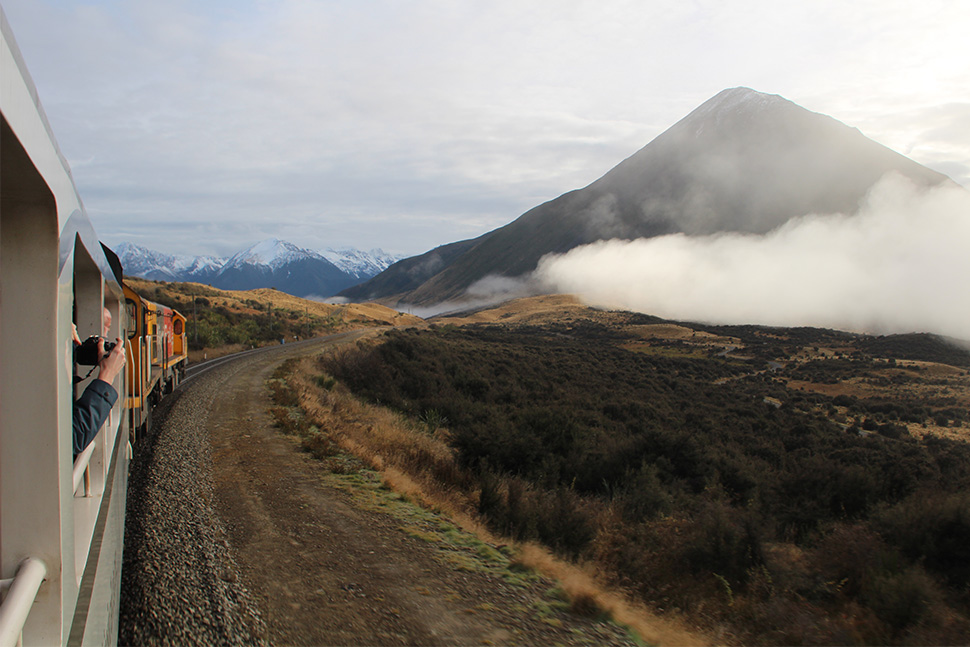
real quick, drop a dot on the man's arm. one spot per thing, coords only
(90, 412)
(92, 408)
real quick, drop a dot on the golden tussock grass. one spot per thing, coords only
(586, 594)
(410, 460)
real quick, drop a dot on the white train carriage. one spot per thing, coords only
(61, 519)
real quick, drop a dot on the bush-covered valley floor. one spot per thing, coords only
(777, 486)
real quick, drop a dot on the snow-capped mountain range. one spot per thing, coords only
(269, 263)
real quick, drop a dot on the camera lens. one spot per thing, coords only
(87, 352)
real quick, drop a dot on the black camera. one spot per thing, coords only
(87, 353)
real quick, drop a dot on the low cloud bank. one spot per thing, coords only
(488, 291)
(334, 301)
(900, 264)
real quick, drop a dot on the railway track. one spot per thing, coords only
(195, 370)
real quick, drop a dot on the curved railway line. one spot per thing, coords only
(195, 370)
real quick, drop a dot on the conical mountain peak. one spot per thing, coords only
(743, 161)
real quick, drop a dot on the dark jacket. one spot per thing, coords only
(90, 412)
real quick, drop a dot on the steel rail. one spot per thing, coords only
(196, 370)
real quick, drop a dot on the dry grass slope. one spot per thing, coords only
(242, 301)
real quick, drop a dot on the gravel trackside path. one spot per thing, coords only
(179, 583)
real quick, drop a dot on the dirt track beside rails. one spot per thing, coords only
(294, 559)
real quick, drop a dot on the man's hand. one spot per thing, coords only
(111, 363)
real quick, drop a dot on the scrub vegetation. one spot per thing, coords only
(778, 486)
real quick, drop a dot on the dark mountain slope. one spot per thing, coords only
(302, 277)
(743, 161)
(408, 274)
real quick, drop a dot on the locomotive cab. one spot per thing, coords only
(139, 363)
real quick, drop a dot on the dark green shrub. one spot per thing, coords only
(935, 531)
(521, 518)
(844, 401)
(902, 599)
(724, 541)
(642, 496)
(563, 522)
(848, 557)
(326, 382)
(490, 502)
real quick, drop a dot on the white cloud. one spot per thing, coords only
(898, 265)
(243, 113)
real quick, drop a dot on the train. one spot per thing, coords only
(157, 356)
(61, 516)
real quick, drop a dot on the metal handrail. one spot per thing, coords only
(19, 599)
(81, 465)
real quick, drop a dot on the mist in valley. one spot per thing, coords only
(901, 263)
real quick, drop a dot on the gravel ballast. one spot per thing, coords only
(179, 584)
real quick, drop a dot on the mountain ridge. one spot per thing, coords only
(268, 263)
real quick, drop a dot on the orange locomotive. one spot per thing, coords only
(157, 355)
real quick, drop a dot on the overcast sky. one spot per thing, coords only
(201, 127)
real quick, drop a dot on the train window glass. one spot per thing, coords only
(132, 323)
(178, 327)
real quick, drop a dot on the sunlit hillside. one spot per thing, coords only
(222, 321)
